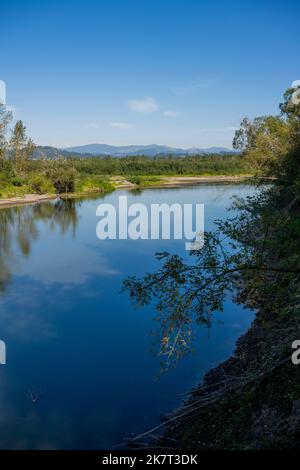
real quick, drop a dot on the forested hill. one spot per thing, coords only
(93, 150)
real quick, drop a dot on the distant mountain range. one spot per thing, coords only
(148, 150)
(92, 150)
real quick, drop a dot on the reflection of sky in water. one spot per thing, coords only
(73, 338)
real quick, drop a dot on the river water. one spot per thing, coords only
(79, 374)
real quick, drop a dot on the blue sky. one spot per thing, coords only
(180, 73)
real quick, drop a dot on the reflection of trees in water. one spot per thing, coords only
(19, 228)
(62, 214)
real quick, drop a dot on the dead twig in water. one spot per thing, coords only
(33, 395)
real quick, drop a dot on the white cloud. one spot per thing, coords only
(171, 114)
(145, 105)
(122, 125)
(92, 125)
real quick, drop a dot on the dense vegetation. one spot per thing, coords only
(144, 166)
(20, 174)
(91, 174)
(251, 400)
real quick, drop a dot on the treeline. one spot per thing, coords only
(165, 165)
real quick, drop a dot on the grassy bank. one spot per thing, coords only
(38, 180)
(26, 195)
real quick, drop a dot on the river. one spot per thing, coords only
(79, 374)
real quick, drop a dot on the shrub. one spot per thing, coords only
(64, 182)
(40, 184)
(62, 174)
(16, 181)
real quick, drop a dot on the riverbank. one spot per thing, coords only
(27, 199)
(122, 183)
(177, 181)
(250, 401)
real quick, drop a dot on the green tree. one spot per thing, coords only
(62, 174)
(21, 147)
(265, 141)
(271, 143)
(5, 119)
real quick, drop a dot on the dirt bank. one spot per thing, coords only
(27, 199)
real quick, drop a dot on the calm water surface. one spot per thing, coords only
(79, 374)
